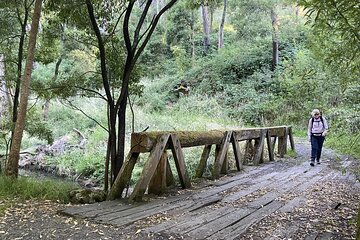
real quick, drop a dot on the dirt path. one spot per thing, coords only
(286, 199)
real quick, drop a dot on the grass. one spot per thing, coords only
(25, 188)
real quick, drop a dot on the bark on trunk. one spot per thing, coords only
(12, 166)
(3, 90)
(275, 42)
(221, 28)
(206, 27)
(192, 26)
(19, 62)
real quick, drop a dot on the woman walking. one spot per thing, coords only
(317, 130)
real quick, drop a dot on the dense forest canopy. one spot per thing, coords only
(261, 62)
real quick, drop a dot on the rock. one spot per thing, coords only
(82, 196)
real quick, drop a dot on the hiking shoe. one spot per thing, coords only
(312, 164)
(317, 162)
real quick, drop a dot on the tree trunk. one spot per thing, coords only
(192, 26)
(297, 8)
(275, 42)
(12, 166)
(206, 27)
(221, 28)
(3, 90)
(19, 63)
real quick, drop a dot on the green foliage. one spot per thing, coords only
(25, 188)
(336, 25)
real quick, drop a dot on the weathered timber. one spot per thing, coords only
(123, 178)
(157, 184)
(220, 156)
(179, 161)
(282, 144)
(207, 230)
(235, 229)
(249, 151)
(144, 141)
(273, 143)
(259, 147)
(225, 165)
(203, 161)
(236, 149)
(269, 147)
(170, 181)
(292, 144)
(149, 168)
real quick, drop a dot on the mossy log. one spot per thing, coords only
(145, 141)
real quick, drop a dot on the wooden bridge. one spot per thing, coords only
(235, 206)
(229, 207)
(157, 174)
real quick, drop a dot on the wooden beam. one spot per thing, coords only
(203, 161)
(249, 151)
(169, 175)
(236, 148)
(179, 161)
(157, 183)
(219, 158)
(144, 141)
(259, 147)
(149, 168)
(282, 144)
(292, 144)
(270, 147)
(123, 178)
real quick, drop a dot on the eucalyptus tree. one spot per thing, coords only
(120, 30)
(12, 165)
(14, 22)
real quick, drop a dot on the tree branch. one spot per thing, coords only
(80, 110)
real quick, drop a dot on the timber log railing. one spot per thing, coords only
(157, 175)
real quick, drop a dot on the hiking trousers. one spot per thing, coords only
(316, 147)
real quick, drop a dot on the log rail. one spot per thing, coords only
(157, 175)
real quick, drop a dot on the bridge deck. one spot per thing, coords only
(226, 209)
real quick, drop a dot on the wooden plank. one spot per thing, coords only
(149, 168)
(157, 183)
(269, 147)
(225, 165)
(220, 156)
(209, 229)
(239, 227)
(203, 161)
(179, 161)
(170, 181)
(119, 220)
(123, 178)
(249, 151)
(259, 147)
(292, 143)
(189, 222)
(79, 209)
(282, 144)
(237, 154)
(273, 144)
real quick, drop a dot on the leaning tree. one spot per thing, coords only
(121, 30)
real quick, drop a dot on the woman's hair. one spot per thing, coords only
(315, 111)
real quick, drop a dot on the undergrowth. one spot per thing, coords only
(25, 188)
